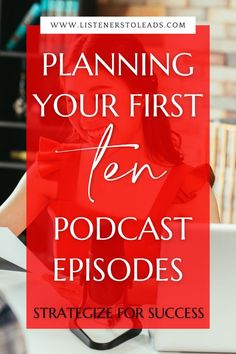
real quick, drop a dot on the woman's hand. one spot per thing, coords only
(13, 211)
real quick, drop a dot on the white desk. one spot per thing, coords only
(12, 284)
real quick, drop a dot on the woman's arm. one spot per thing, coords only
(13, 211)
(214, 211)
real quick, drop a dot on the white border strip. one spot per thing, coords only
(118, 25)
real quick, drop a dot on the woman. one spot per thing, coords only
(161, 148)
(61, 175)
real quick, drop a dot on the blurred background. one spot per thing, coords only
(220, 14)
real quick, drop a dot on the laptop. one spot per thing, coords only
(221, 337)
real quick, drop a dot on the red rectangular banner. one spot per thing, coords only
(118, 180)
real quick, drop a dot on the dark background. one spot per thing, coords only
(13, 127)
